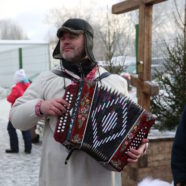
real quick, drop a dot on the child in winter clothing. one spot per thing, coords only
(17, 91)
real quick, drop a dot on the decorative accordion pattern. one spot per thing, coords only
(103, 123)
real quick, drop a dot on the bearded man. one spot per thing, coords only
(44, 98)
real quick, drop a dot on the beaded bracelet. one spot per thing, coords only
(37, 109)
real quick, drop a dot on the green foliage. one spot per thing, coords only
(169, 104)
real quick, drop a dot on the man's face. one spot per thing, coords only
(72, 47)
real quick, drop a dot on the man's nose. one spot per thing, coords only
(66, 40)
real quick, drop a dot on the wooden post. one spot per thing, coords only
(145, 88)
(137, 41)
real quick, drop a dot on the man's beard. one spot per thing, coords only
(73, 57)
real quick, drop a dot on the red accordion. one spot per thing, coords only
(103, 123)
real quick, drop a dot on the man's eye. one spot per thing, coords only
(73, 36)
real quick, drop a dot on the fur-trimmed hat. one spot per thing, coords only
(77, 26)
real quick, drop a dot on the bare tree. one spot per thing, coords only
(11, 30)
(172, 20)
(179, 14)
(114, 35)
(179, 20)
(57, 16)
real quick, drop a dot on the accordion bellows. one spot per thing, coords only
(103, 123)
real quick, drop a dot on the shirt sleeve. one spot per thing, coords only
(22, 114)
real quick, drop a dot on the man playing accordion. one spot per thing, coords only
(44, 98)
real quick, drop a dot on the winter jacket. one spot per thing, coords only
(17, 91)
(178, 160)
(81, 170)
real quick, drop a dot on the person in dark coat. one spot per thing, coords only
(17, 91)
(178, 160)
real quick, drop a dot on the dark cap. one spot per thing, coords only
(77, 26)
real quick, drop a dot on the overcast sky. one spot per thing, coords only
(31, 15)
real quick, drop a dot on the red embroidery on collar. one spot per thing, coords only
(91, 75)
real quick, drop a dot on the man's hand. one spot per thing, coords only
(134, 154)
(54, 107)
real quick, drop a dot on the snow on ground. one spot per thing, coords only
(16, 169)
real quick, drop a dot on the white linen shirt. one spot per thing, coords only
(81, 169)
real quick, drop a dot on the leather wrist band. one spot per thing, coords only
(37, 109)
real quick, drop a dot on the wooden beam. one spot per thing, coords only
(144, 53)
(130, 5)
(145, 88)
(148, 87)
(147, 44)
(125, 6)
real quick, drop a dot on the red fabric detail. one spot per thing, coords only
(17, 91)
(61, 127)
(91, 75)
(143, 125)
(82, 115)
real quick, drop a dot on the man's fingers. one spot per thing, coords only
(145, 140)
(63, 102)
(129, 160)
(133, 154)
(60, 107)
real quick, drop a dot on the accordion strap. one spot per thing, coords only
(102, 76)
(62, 74)
(65, 75)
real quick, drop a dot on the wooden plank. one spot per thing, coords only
(144, 87)
(147, 36)
(130, 5)
(141, 41)
(125, 6)
(150, 88)
(135, 80)
(147, 44)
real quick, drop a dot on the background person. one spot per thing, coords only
(17, 91)
(178, 158)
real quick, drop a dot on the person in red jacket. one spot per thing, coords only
(17, 91)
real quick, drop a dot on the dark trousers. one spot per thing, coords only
(14, 144)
